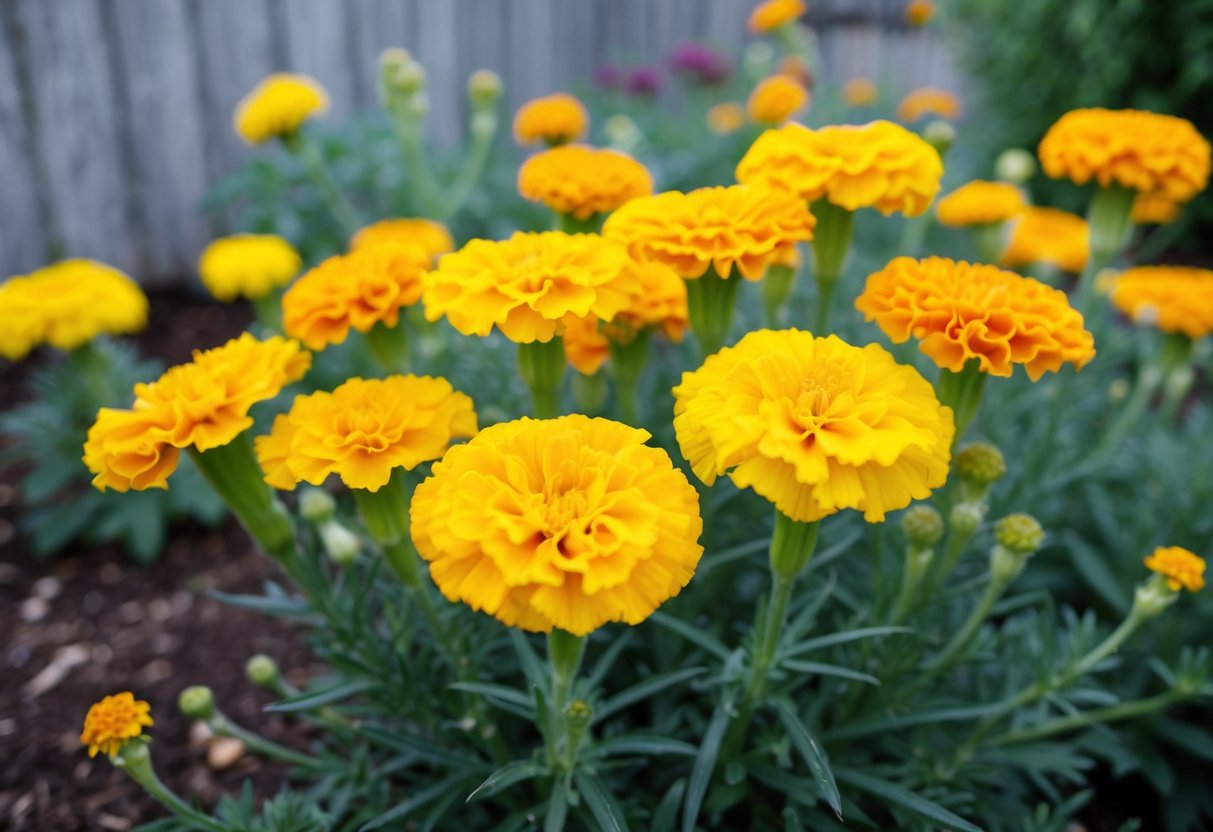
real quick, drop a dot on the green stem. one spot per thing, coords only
(1109, 220)
(258, 744)
(541, 366)
(483, 128)
(1175, 360)
(831, 243)
(711, 300)
(917, 564)
(571, 225)
(407, 123)
(1111, 713)
(626, 366)
(777, 287)
(389, 346)
(565, 652)
(962, 392)
(589, 392)
(268, 309)
(385, 513)
(991, 241)
(309, 153)
(960, 641)
(136, 762)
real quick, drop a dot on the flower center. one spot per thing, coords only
(563, 510)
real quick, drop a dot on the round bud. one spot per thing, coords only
(197, 702)
(578, 714)
(342, 545)
(621, 131)
(923, 526)
(980, 464)
(484, 87)
(940, 135)
(1015, 165)
(261, 670)
(1118, 390)
(966, 518)
(316, 505)
(392, 58)
(758, 59)
(1020, 533)
(1154, 596)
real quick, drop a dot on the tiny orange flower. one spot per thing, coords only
(113, 722)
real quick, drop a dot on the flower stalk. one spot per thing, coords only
(777, 286)
(389, 346)
(711, 300)
(962, 391)
(565, 652)
(831, 242)
(541, 365)
(306, 150)
(385, 515)
(991, 240)
(626, 366)
(136, 760)
(1109, 220)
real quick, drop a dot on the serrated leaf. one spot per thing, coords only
(812, 754)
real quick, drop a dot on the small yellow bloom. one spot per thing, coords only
(775, 100)
(1172, 298)
(713, 228)
(1151, 208)
(980, 203)
(129, 449)
(879, 165)
(928, 101)
(959, 311)
(583, 181)
(553, 119)
(859, 92)
(771, 14)
(1135, 149)
(368, 286)
(726, 117)
(247, 265)
(363, 430)
(278, 106)
(1181, 568)
(565, 523)
(66, 305)
(919, 12)
(1048, 235)
(814, 425)
(113, 722)
(431, 236)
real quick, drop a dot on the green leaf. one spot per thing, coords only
(812, 753)
(842, 638)
(532, 665)
(506, 776)
(277, 605)
(829, 670)
(419, 799)
(791, 821)
(502, 692)
(309, 700)
(609, 656)
(705, 765)
(644, 690)
(558, 807)
(880, 725)
(691, 634)
(1094, 568)
(906, 799)
(601, 803)
(644, 744)
(667, 809)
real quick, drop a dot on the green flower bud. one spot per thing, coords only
(316, 505)
(940, 135)
(408, 77)
(922, 525)
(261, 670)
(1020, 533)
(392, 59)
(622, 132)
(197, 702)
(1154, 596)
(341, 544)
(978, 465)
(966, 519)
(1118, 390)
(1015, 165)
(484, 88)
(758, 59)
(578, 714)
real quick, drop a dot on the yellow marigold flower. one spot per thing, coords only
(771, 14)
(980, 203)
(776, 99)
(564, 523)
(247, 265)
(552, 119)
(960, 311)
(432, 236)
(919, 12)
(928, 101)
(583, 181)
(859, 92)
(278, 106)
(1182, 569)
(356, 290)
(66, 305)
(722, 227)
(1133, 148)
(113, 722)
(1048, 235)
(725, 118)
(528, 285)
(363, 430)
(1151, 208)
(129, 449)
(1171, 298)
(586, 346)
(880, 165)
(814, 425)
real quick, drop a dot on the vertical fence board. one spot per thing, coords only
(532, 70)
(438, 25)
(22, 241)
(318, 39)
(378, 24)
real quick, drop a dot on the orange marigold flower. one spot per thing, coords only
(1182, 569)
(1135, 149)
(527, 285)
(776, 99)
(859, 92)
(368, 286)
(432, 236)
(129, 449)
(1171, 298)
(960, 311)
(928, 101)
(553, 119)
(565, 523)
(278, 106)
(113, 722)
(1048, 235)
(919, 12)
(726, 117)
(364, 430)
(586, 346)
(1152, 208)
(880, 165)
(814, 425)
(583, 181)
(980, 203)
(795, 68)
(722, 227)
(247, 265)
(771, 14)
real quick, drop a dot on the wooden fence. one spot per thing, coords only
(115, 115)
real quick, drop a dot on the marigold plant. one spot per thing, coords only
(1171, 298)
(113, 722)
(582, 181)
(859, 92)
(278, 106)
(431, 236)
(553, 119)
(1181, 568)
(1048, 235)
(771, 14)
(776, 99)
(247, 265)
(928, 101)
(980, 203)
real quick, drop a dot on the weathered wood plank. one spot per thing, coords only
(318, 43)
(22, 237)
(377, 25)
(531, 71)
(437, 50)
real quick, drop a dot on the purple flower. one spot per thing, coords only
(608, 77)
(644, 81)
(705, 65)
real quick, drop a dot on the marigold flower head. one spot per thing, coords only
(776, 99)
(879, 165)
(726, 117)
(66, 305)
(980, 203)
(1172, 298)
(278, 106)
(771, 14)
(960, 311)
(368, 286)
(527, 285)
(129, 449)
(928, 101)
(113, 722)
(583, 181)
(741, 225)
(1182, 569)
(552, 119)
(814, 425)
(919, 12)
(247, 265)
(1132, 148)
(564, 523)
(1048, 235)
(586, 346)
(431, 236)
(859, 92)
(363, 430)
(1154, 209)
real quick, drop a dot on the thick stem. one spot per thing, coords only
(541, 366)
(831, 243)
(917, 564)
(136, 761)
(571, 225)
(565, 652)
(991, 241)
(309, 153)
(268, 309)
(962, 392)
(1109, 220)
(385, 513)
(626, 366)
(777, 287)
(711, 300)
(258, 744)
(389, 346)
(589, 392)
